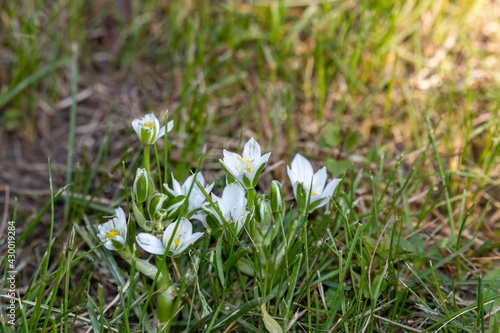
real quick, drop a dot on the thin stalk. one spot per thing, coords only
(165, 151)
(164, 300)
(146, 156)
(72, 124)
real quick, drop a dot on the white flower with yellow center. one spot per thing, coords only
(232, 205)
(148, 128)
(114, 232)
(177, 237)
(245, 168)
(301, 172)
(196, 198)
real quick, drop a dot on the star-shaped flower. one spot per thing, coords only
(301, 172)
(114, 232)
(177, 237)
(148, 128)
(245, 169)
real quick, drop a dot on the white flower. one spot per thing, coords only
(177, 237)
(196, 198)
(148, 128)
(247, 168)
(232, 206)
(301, 172)
(114, 231)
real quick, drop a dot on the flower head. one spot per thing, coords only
(177, 237)
(232, 205)
(191, 190)
(114, 232)
(245, 169)
(301, 172)
(148, 128)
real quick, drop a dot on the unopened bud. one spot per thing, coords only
(157, 206)
(264, 217)
(301, 196)
(276, 196)
(264, 213)
(143, 185)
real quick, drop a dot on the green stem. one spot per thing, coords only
(165, 149)
(141, 265)
(146, 157)
(164, 299)
(251, 197)
(157, 158)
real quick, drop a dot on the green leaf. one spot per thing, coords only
(271, 324)
(352, 140)
(218, 260)
(337, 168)
(333, 135)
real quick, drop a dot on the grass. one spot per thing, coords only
(398, 99)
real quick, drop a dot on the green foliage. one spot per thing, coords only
(393, 88)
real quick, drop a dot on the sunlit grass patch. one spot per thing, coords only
(399, 100)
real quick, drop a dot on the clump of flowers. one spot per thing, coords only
(174, 216)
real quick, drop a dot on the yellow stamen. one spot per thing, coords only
(177, 242)
(149, 124)
(248, 169)
(112, 234)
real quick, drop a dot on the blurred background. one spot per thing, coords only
(347, 83)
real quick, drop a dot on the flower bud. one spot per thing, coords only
(301, 196)
(276, 196)
(143, 186)
(263, 234)
(264, 213)
(157, 207)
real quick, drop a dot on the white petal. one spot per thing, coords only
(294, 185)
(209, 188)
(136, 126)
(319, 181)
(192, 238)
(202, 217)
(187, 184)
(180, 230)
(150, 243)
(155, 120)
(176, 186)
(251, 149)
(109, 245)
(200, 179)
(196, 200)
(302, 168)
(232, 162)
(169, 190)
(293, 177)
(170, 125)
(323, 200)
(261, 160)
(119, 239)
(161, 133)
(330, 188)
(120, 214)
(240, 222)
(233, 197)
(149, 118)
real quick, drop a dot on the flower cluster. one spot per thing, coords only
(166, 213)
(166, 216)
